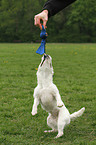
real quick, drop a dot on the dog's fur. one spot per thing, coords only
(47, 94)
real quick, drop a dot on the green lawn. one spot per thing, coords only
(75, 76)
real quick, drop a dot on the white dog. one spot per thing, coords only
(47, 94)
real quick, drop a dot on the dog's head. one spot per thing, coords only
(46, 63)
(45, 70)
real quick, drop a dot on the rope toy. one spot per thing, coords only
(43, 35)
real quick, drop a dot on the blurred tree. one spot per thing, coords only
(83, 18)
(77, 23)
(16, 20)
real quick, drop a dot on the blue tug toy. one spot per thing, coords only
(43, 35)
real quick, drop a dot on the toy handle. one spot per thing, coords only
(43, 27)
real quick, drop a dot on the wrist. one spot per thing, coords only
(46, 11)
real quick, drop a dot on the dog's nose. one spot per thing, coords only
(46, 56)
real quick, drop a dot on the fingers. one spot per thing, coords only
(37, 22)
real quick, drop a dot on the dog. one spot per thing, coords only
(47, 94)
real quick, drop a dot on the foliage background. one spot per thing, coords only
(76, 23)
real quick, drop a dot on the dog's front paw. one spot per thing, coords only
(33, 112)
(60, 103)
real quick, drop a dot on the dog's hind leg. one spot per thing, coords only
(51, 122)
(62, 122)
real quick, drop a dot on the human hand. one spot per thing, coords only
(41, 16)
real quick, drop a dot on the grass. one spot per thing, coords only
(75, 76)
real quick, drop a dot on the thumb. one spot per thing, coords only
(44, 23)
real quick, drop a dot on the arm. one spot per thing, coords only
(50, 8)
(54, 6)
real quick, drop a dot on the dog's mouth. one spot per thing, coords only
(44, 58)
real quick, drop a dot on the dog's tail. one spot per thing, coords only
(77, 114)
